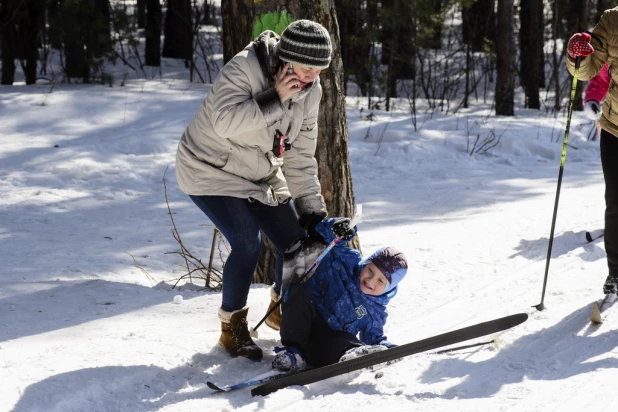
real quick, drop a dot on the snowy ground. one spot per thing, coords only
(82, 328)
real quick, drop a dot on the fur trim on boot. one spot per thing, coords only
(235, 336)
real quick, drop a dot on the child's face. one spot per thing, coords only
(372, 280)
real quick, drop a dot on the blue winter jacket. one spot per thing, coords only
(335, 286)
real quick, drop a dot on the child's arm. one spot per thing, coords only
(375, 336)
(325, 229)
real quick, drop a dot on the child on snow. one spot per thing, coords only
(346, 296)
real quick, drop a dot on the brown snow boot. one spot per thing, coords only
(235, 336)
(274, 319)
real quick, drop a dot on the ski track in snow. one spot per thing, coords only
(82, 328)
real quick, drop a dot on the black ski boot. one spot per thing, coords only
(611, 284)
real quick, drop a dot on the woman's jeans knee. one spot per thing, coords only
(241, 221)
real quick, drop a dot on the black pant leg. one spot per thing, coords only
(609, 162)
(326, 345)
(297, 317)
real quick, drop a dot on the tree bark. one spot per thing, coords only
(479, 24)
(505, 59)
(531, 51)
(7, 42)
(141, 14)
(240, 17)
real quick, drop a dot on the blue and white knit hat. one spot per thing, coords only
(392, 263)
(306, 43)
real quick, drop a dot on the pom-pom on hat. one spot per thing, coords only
(306, 43)
(392, 263)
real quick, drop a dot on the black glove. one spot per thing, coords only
(342, 229)
(308, 221)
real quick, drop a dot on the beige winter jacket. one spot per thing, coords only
(605, 43)
(227, 149)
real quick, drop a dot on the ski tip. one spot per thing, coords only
(215, 387)
(595, 316)
(588, 237)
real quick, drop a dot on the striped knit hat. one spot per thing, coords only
(305, 43)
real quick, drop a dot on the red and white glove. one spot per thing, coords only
(579, 45)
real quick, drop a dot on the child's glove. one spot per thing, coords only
(579, 45)
(342, 229)
(592, 110)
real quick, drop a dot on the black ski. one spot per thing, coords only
(459, 335)
(266, 377)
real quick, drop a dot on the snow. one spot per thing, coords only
(90, 321)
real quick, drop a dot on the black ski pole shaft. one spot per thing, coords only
(565, 144)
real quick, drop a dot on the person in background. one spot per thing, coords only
(340, 312)
(596, 49)
(595, 94)
(247, 160)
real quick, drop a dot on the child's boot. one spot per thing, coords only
(358, 351)
(235, 336)
(288, 359)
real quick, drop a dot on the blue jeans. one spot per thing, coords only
(241, 221)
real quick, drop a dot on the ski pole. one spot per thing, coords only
(565, 143)
(330, 246)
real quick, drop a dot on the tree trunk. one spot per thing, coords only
(7, 42)
(239, 18)
(32, 27)
(178, 40)
(392, 71)
(332, 148)
(531, 51)
(505, 59)
(141, 14)
(479, 24)
(153, 33)
(242, 18)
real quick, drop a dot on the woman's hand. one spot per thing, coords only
(286, 84)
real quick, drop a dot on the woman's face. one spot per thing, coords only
(305, 75)
(372, 280)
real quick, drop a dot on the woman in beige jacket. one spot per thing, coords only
(247, 161)
(595, 50)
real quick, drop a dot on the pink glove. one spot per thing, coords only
(579, 45)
